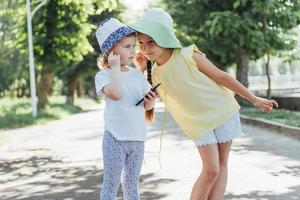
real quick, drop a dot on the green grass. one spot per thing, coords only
(283, 116)
(16, 113)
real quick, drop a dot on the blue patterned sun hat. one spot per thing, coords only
(109, 32)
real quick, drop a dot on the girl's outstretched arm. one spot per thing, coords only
(224, 79)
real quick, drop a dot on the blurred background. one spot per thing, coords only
(256, 41)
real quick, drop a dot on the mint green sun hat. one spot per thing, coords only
(158, 24)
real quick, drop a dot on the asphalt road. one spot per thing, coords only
(62, 160)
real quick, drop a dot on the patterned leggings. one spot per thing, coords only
(121, 159)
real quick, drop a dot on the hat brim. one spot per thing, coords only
(115, 37)
(160, 34)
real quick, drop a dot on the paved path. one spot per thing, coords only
(62, 160)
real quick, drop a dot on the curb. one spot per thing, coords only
(271, 125)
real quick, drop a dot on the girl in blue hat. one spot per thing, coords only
(199, 96)
(125, 130)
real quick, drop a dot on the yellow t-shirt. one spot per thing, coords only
(196, 102)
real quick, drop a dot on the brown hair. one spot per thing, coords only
(102, 61)
(149, 115)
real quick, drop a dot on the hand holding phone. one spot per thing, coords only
(152, 89)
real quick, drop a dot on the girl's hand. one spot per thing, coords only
(114, 60)
(149, 100)
(140, 62)
(264, 104)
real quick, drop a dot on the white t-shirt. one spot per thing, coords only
(122, 118)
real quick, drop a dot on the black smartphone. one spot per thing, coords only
(152, 89)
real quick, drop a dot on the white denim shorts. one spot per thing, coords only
(226, 132)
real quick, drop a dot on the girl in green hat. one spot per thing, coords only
(199, 96)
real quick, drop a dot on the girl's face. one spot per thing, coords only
(149, 48)
(125, 48)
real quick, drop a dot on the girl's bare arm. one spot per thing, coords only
(224, 79)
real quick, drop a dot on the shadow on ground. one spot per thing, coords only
(257, 195)
(48, 178)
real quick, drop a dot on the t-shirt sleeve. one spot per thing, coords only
(187, 53)
(101, 79)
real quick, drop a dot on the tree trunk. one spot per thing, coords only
(50, 24)
(242, 63)
(268, 76)
(72, 85)
(92, 91)
(267, 51)
(44, 88)
(80, 90)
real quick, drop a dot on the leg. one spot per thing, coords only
(131, 172)
(225, 133)
(210, 170)
(113, 159)
(219, 186)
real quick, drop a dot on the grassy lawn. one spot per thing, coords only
(291, 118)
(15, 113)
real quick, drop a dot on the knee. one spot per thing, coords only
(212, 173)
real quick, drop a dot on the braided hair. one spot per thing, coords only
(149, 115)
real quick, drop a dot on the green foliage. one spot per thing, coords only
(15, 113)
(279, 115)
(86, 68)
(60, 32)
(224, 28)
(13, 77)
(63, 39)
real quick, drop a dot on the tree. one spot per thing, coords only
(235, 31)
(61, 32)
(86, 68)
(13, 78)
(276, 19)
